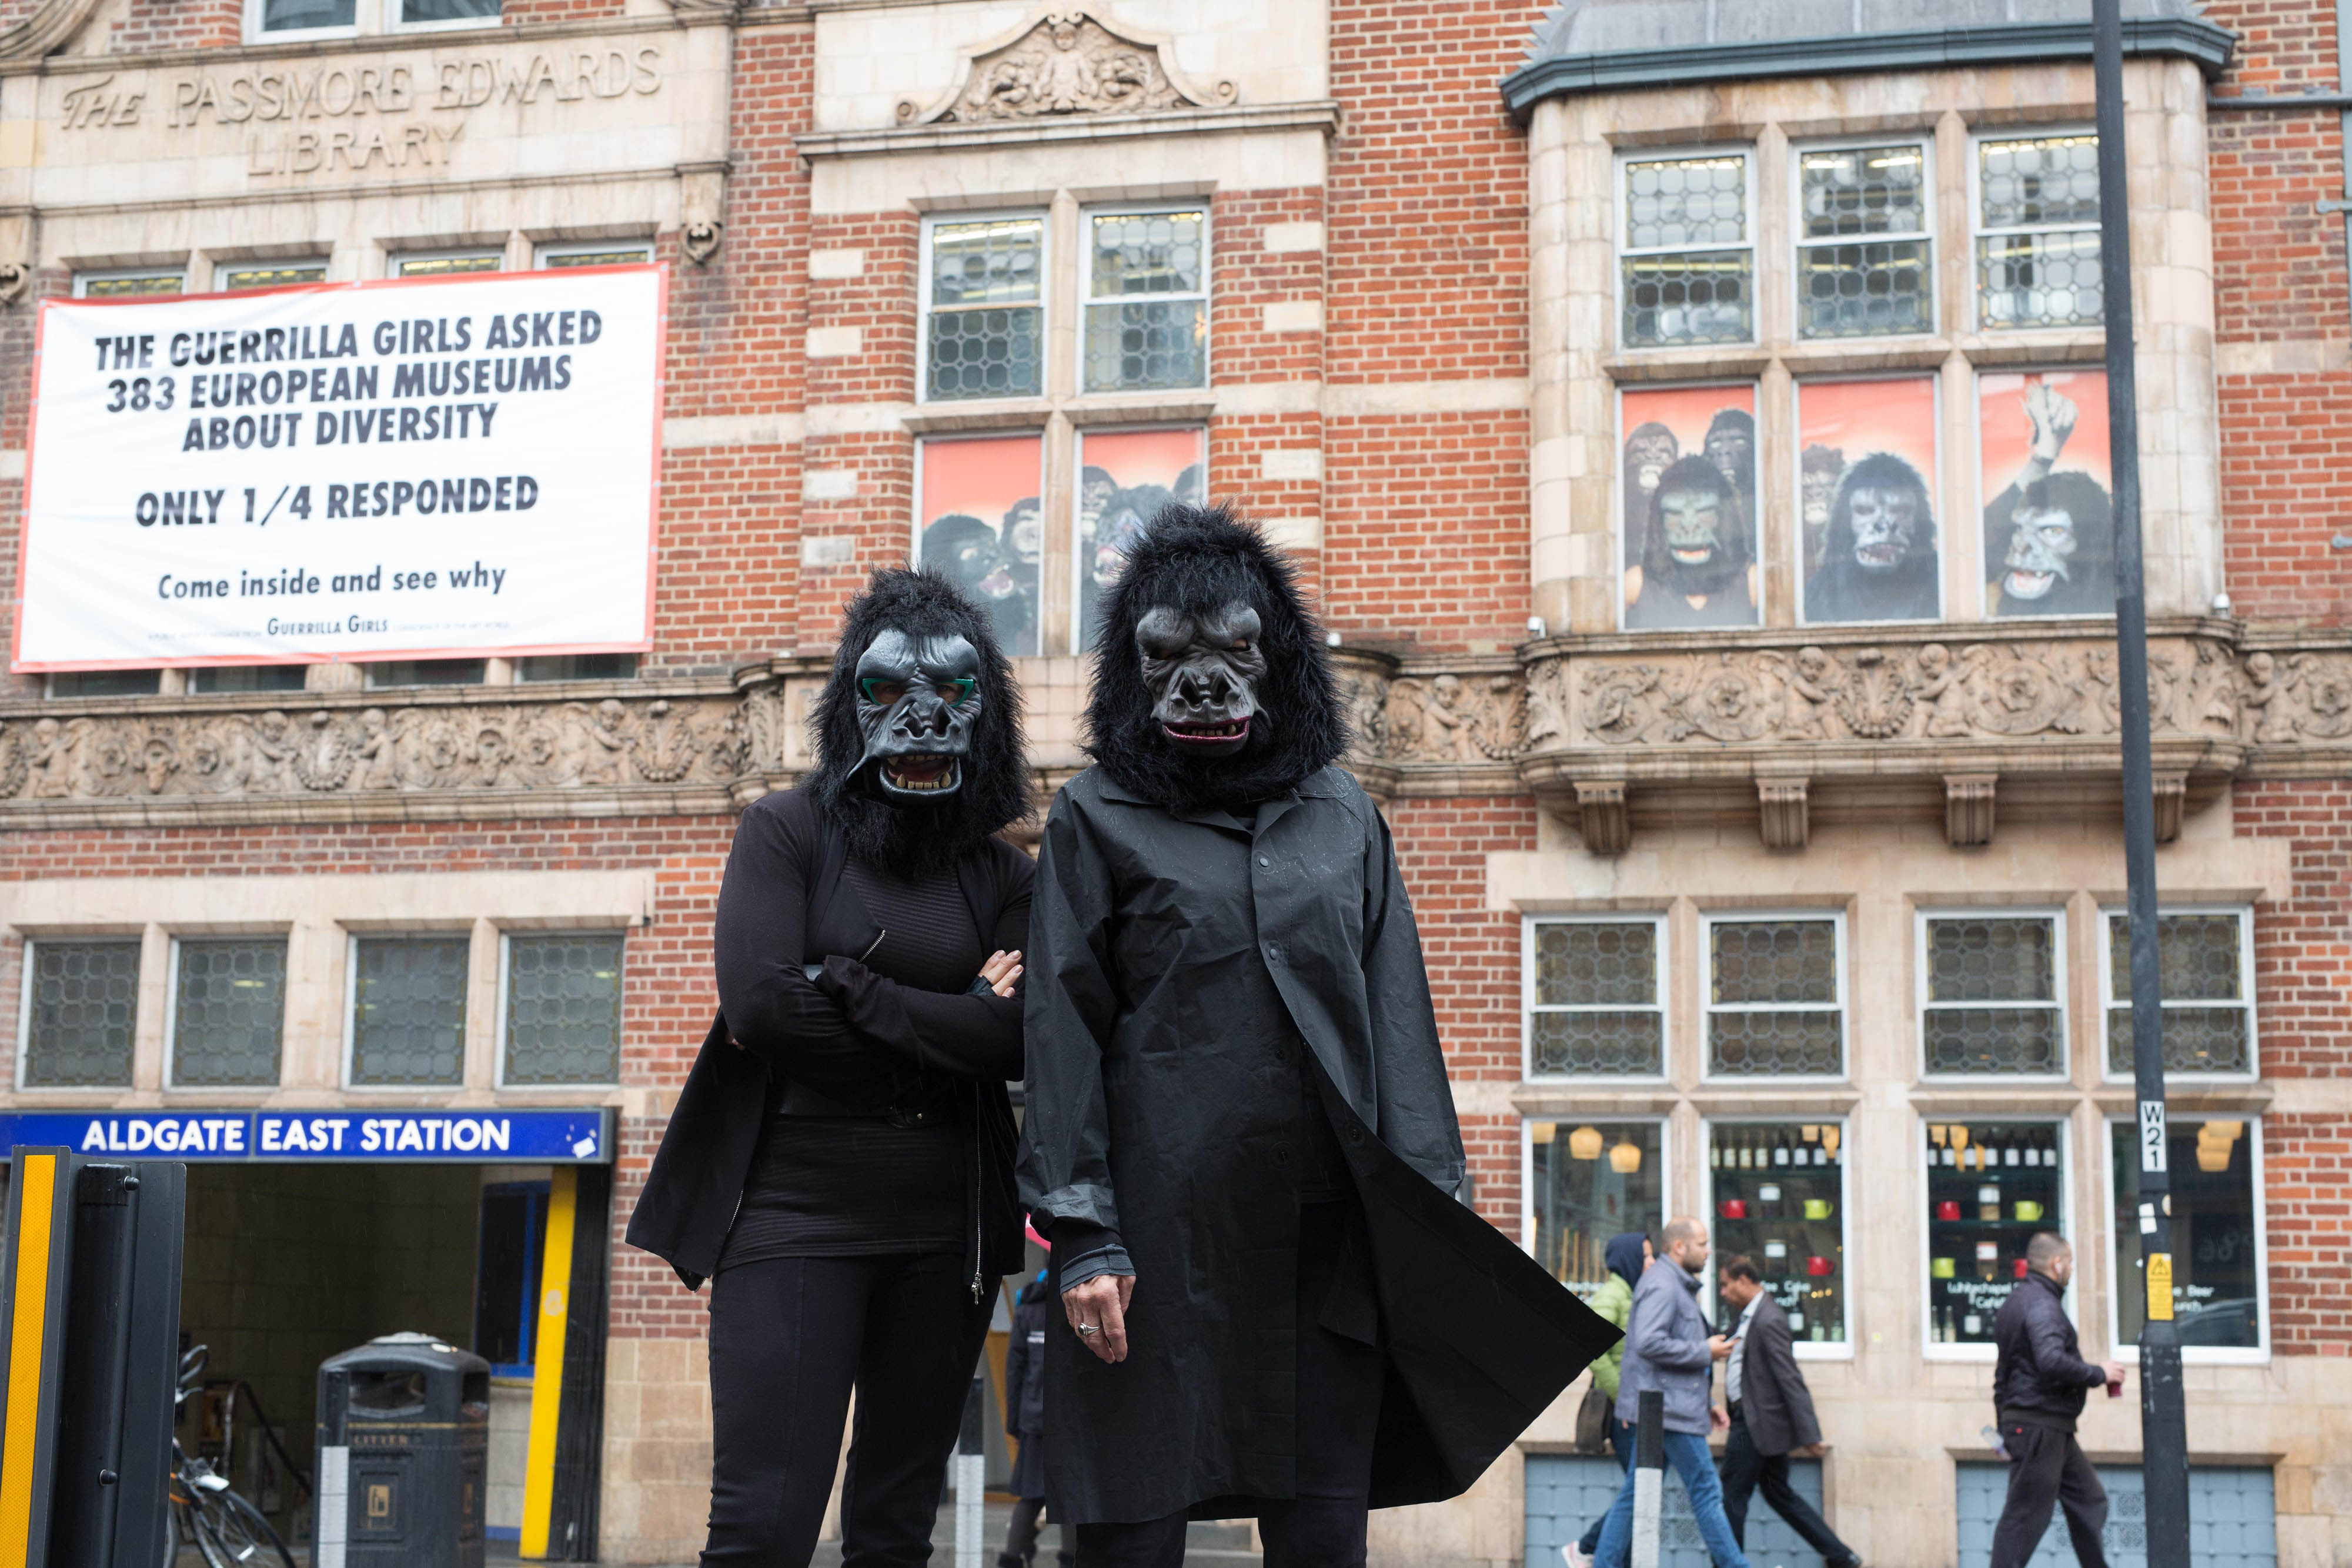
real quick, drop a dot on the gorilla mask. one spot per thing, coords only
(917, 704)
(1697, 541)
(2060, 559)
(1203, 673)
(1885, 522)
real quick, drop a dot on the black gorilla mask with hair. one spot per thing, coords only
(919, 755)
(1211, 684)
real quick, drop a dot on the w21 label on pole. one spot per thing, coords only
(443, 467)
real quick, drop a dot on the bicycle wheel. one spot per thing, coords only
(233, 1533)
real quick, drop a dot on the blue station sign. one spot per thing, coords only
(573, 1137)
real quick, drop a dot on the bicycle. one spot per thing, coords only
(227, 1531)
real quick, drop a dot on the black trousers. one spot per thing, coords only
(2048, 1466)
(1745, 1470)
(1021, 1536)
(1338, 1409)
(789, 1338)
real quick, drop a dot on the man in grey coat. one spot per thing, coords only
(1771, 1415)
(1669, 1347)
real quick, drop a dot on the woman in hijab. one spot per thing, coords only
(1627, 1255)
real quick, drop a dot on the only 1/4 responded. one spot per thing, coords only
(259, 505)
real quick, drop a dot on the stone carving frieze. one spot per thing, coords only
(1469, 717)
(1066, 63)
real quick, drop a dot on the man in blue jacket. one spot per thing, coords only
(2038, 1385)
(1669, 1347)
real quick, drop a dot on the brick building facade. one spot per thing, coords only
(1407, 278)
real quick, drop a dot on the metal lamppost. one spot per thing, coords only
(2163, 1430)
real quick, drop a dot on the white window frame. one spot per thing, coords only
(2071, 1298)
(2244, 913)
(82, 280)
(923, 443)
(506, 968)
(392, 22)
(1621, 250)
(542, 256)
(1703, 967)
(1797, 490)
(171, 1010)
(1923, 1005)
(931, 221)
(221, 270)
(393, 260)
(1564, 1122)
(1617, 565)
(1529, 1006)
(1079, 569)
(351, 1012)
(1978, 229)
(1806, 1349)
(24, 1016)
(1085, 289)
(2125, 1351)
(364, 19)
(1799, 245)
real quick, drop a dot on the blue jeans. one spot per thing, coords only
(1620, 1438)
(1688, 1453)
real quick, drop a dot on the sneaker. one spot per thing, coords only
(1576, 1558)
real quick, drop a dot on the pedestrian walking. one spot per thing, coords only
(1033, 1311)
(1669, 1347)
(1626, 1256)
(1771, 1415)
(2038, 1379)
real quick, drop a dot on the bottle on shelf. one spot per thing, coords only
(2033, 1156)
(2009, 1152)
(1715, 1152)
(1746, 1153)
(1780, 1151)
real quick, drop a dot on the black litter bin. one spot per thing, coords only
(403, 1436)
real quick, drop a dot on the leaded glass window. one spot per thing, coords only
(269, 275)
(1597, 1003)
(2037, 203)
(1991, 995)
(84, 1000)
(984, 314)
(1146, 306)
(131, 285)
(228, 1011)
(563, 1009)
(408, 1010)
(1685, 256)
(1775, 1004)
(2202, 958)
(1863, 258)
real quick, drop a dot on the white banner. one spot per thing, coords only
(441, 467)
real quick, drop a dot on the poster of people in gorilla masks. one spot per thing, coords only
(1124, 477)
(1688, 493)
(2048, 516)
(980, 522)
(1866, 501)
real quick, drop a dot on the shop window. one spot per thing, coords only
(1690, 507)
(1125, 477)
(2215, 1169)
(2048, 515)
(447, 264)
(408, 1011)
(81, 999)
(228, 1011)
(601, 253)
(1868, 476)
(976, 500)
(1864, 261)
(1991, 1001)
(144, 285)
(983, 308)
(218, 678)
(66, 685)
(1685, 254)
(427, 673)
(1147, 300)
(2037, 217)
(563, 1014)
(1775, 996)
(1777, 1192)
(268, 275)
(1592, 1181)
(1990, 1187)
(1596, 1004)
(507, 1276)
(577, 667)
(2205, 970)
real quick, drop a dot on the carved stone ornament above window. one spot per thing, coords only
(1065, 63)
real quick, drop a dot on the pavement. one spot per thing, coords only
(1207, 1545)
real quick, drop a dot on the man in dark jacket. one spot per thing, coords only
(1239, 1134)
(1771, 1416)
(2038, 1383)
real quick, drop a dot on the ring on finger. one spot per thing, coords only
(1085, 1329)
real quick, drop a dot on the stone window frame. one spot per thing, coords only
(1974, 176)
(393, 22)
(82, 280)
(125, 935)
(2245, 1003)
(1931, 188)
(1849, 1227)
(1046, 313)
(281, 935)
(506, 971)
(1621, 219)
(370, 18)
(1659, 920)
(1565, 1122)
(2059, 1004)
(420, 930)
(1083, 295)
(2127, 1351)
(1702, 975)
(2080, 1231)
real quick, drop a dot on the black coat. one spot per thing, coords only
(2038, 1376)
(1773, 1398)
(1176, 964)
(825, 1034)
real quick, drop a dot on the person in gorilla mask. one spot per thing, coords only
(1697, 567)
(1878, 553)
(840, 1156)
(1238, 1134)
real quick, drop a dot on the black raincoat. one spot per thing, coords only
(1177, 963)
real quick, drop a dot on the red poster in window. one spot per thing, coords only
(979, 520)
(2048, 515)
(1124, 477)
(1866, 493)
(1688, 493)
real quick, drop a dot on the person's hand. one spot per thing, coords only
(733, 1042)
(1719, 1346)
(1102, 1302)
(1001, 970)
(2053, 415)
(1719, 1418)
(2113, 1369)
(1814, 1450)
